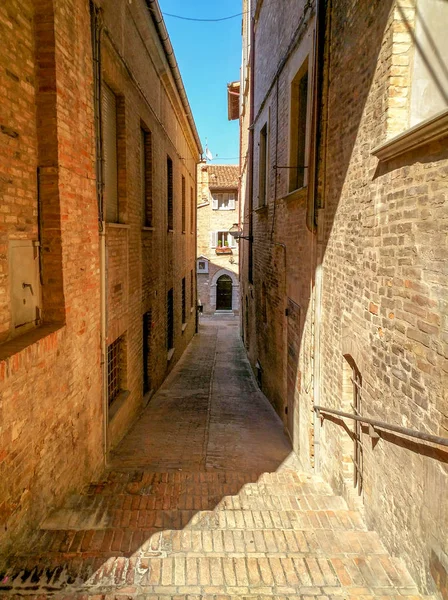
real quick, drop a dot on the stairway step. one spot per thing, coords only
(378, 575)
(203, 542)
(337, 520)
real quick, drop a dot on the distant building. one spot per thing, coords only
(217, 251)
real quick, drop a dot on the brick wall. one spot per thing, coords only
(52, 399)
(378, 300)
(50, 377)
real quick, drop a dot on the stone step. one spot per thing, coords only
(147, 486)
(202, 542)
(358, 575)
(140, 503)
(338, 520)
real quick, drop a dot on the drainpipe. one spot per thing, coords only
(96, 31)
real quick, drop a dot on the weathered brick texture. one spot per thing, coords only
(369, 286)
(52, 407)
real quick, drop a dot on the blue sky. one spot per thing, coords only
(209, 57)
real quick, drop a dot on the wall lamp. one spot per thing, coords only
(237, 233)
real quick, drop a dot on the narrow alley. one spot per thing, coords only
(204, 499)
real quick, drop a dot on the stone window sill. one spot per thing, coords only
(31, 337)
(297, 194)
(145, 228)
(184, 326)
(118, 404)
(170, 355)
(261, 209)
(428, 131)
(118, 226)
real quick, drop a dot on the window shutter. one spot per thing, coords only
(214, 202)
(231, 201)
(232, 241)
(213, 239)
(109, 107)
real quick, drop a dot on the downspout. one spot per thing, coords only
(321, 23)
(96, 31)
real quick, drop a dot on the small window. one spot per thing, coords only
(115, 369)
(184, 301)
(299, 111)
(170, 320)
(146, 176)
(110, 154)
(191, 289)
(184, 207)
(223, 200)
(169, 187)
(262, 166)
(221, 239)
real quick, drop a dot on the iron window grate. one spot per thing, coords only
(114, 370)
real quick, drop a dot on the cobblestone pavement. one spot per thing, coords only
(203, 499)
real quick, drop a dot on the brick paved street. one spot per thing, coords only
(203, 499)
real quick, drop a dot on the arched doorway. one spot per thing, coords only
(224, 293)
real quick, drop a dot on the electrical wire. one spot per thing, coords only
(203, 20)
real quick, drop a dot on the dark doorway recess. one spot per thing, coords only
(224, 293)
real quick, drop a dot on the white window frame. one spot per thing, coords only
(217, 196)
(214, 237)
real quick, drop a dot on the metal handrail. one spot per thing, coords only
(427, 437)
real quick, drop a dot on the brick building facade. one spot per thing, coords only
(217, 250)
(98, 154)
(343, 282)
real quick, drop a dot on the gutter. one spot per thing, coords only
(159, 23)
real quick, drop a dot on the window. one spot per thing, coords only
(147, 327)
(146, 175)
(299, 110)
(429, 87)
(184, 301)
(169, 188)
(262, 166)
(110, 154)
(192, 209)
(184, 207)
(115, 369)
(222, 239)
(170, 320)
(223, 200)
(191, 289)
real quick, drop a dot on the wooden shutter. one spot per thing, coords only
(231, 201)
(213, 239)
(109, 121)
(215, 202)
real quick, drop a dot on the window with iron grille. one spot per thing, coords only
(299, 112)
(192, 210)
(263, 165)
(184, 207)
(146, 176)
(147, 325)
(169, 184)
(114, 369)
(170, 320)
(184, 301)
(191, 289)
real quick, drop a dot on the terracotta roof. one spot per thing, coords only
(223, 176)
